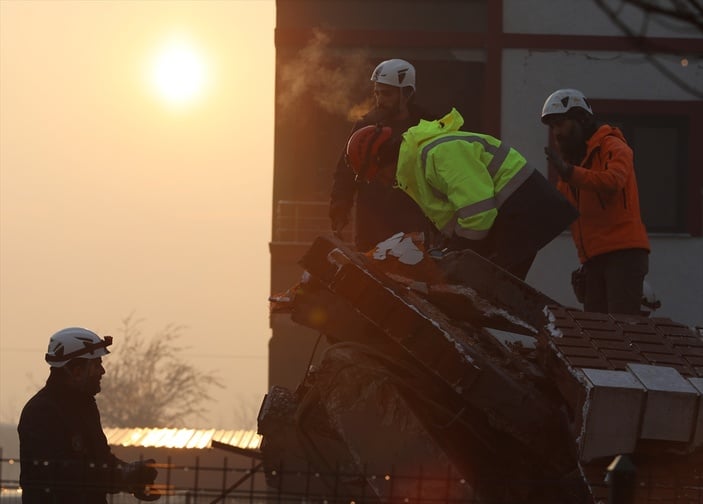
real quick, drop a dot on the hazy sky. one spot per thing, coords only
(128, 187)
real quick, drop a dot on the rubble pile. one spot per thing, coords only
(449, 379)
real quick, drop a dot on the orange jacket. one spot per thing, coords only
(604, 190)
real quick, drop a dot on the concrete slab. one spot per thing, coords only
(612, 412)
(671, 405)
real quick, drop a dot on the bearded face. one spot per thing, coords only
(85, 375)
(570, 137)
(389, 101)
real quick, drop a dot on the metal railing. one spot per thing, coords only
(221, 483)
(300, 222)
(196, 483)
(192, 483)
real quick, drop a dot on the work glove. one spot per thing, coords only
(339, 218)
(137, 476)
(564, 169)
(145, 495)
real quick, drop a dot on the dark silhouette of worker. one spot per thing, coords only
(64, 455)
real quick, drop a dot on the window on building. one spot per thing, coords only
(662, 136)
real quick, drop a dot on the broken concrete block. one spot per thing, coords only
(671, 404)
(612, 411)
(511, 339)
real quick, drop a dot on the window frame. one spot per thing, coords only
(693, 111)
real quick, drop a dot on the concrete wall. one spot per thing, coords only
(584, 17)
(530, 76)
(675, 272)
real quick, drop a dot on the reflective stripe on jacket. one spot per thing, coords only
(604, 190)
(459, 179)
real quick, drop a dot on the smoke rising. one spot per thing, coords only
(331, 82)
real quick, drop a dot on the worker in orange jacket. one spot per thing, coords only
(597, 175)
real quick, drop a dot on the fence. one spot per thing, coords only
(193, 483)
(198, 483)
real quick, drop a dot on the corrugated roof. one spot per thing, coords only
(182, 438)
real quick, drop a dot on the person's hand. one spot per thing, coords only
(137, 477)
(145, 495)
(339, 218)
(140, 473)
(564, 169)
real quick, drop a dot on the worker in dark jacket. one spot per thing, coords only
(64, 455)
(597, 175)
(380, 211)
(479, 193)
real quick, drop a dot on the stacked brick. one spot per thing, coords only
(602, 341)
(635, 386)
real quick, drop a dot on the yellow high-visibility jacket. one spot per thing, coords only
(459, 179)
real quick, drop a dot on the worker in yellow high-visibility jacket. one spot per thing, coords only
(479, 193)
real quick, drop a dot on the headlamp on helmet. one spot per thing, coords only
(75, 343)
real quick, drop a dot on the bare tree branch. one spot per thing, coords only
(690, 11)
(647, 53)
(148, 384)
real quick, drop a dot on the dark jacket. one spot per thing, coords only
(528, 220)
(380, 211)
(64, 455)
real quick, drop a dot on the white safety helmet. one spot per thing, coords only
(75, 343)
(395, 72)
(650, 302)
(563, 100)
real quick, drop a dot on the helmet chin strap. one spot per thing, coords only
(401, 109)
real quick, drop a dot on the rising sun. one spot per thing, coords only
(178, 72)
